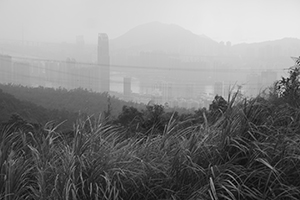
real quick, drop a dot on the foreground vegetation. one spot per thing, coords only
(247, 149)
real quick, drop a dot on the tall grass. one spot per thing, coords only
(251, 152)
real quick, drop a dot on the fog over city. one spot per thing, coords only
(182, 53)
(149, 99)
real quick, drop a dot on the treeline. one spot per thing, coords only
(40, 105)
(155, 118)
(13, 109)
(76, 100)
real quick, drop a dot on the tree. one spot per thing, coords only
(129, 116)
(287, 89)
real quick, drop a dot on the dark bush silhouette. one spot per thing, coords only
(288, 89)
(216, 109)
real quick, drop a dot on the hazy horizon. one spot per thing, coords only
(234, 21)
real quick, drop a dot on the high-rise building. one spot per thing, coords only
(103, 62)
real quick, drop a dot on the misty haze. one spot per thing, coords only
(172, 72)
(170, 60)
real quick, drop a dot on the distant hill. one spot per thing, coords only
(33, 113)
(169, 38)
(285, 47)
(74, 101)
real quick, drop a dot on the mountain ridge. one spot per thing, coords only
(160, 37)
(172, 38)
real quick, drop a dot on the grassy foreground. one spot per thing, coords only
(251, 152)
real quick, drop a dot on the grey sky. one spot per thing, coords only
(222, 20)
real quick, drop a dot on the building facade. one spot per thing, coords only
(103, 62)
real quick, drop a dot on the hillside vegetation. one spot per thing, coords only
(76, 100)
(246, 149)
(12, 107)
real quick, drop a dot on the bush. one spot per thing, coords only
(288, 89)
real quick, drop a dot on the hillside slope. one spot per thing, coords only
(32, 113)
(77, 100)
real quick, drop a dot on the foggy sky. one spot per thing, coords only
(222, 20)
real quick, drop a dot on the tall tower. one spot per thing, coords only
(103, 62)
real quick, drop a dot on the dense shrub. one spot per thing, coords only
(287, 90)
